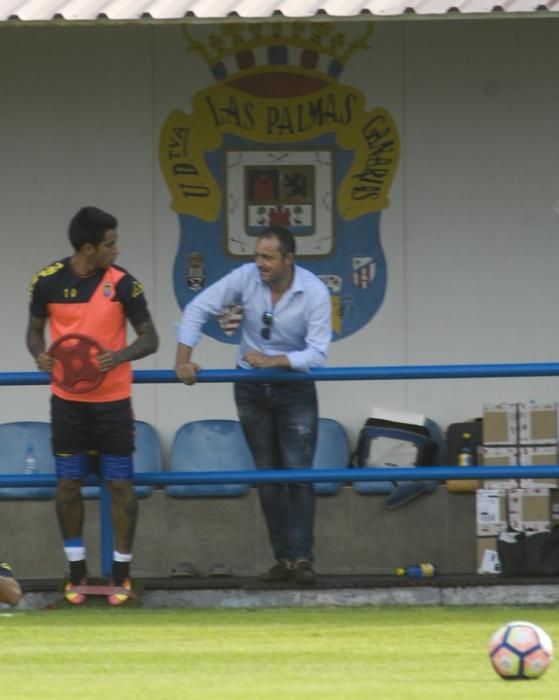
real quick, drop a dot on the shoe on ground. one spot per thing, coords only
(121, 597)
(220, 570)
(303, 572)
(73, 596)
(184, 568)
(282, 571)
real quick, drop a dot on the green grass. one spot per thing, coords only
(378, 653)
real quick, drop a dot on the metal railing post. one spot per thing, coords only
(105, 516)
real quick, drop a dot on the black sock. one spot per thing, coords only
(78, 571)
(121, 571)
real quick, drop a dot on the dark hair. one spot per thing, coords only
(89, 225)
(285, 238)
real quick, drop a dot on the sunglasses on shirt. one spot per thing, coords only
(267, 320)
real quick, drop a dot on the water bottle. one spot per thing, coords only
(423, 570)
(466, 454)
(30, 459)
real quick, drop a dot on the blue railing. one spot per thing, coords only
(291, 476)
(335, 374)
(300, 475)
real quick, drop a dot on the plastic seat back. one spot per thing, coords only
(332, 452)
(147, 458)
(209, 445)
(17, 439)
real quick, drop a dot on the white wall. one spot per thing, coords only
(471, 237)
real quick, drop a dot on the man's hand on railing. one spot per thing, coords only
(186, 372)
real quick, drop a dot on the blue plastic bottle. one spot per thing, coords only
(30, 459)
(423, 570)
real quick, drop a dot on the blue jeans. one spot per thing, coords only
(280, 423)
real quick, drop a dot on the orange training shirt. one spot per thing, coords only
(98, 306)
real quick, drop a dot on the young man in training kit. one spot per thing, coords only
(88, 294)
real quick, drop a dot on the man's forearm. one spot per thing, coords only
(185, 369)
(145, 344)
(279, 361)
(184, 354)
(35, 343)
(260, 360)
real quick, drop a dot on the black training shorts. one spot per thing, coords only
(79, 426)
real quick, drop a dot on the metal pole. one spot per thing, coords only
(106, 530)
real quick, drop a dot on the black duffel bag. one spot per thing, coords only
(529, 554)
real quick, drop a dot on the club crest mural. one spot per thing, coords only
(279, 139)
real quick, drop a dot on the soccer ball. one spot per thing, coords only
(520, 651)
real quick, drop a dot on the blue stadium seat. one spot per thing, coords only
(332, 452)
(147, 458)
(209, 445)
(15, 441)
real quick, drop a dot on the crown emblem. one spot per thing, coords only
(314, 47)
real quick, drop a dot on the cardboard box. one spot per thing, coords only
(554, 497)
(491, 511)
(537, 423)
(500, 424)
(499, 457)
(530, 456)
(529, 509)
(487, 556)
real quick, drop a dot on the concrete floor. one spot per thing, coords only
(330, 590)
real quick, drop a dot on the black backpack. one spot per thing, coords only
(388, 443)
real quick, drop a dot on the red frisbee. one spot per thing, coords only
(76, 368)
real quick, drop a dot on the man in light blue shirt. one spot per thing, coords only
(286, 323)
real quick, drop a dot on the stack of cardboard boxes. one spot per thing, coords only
(524, 434)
